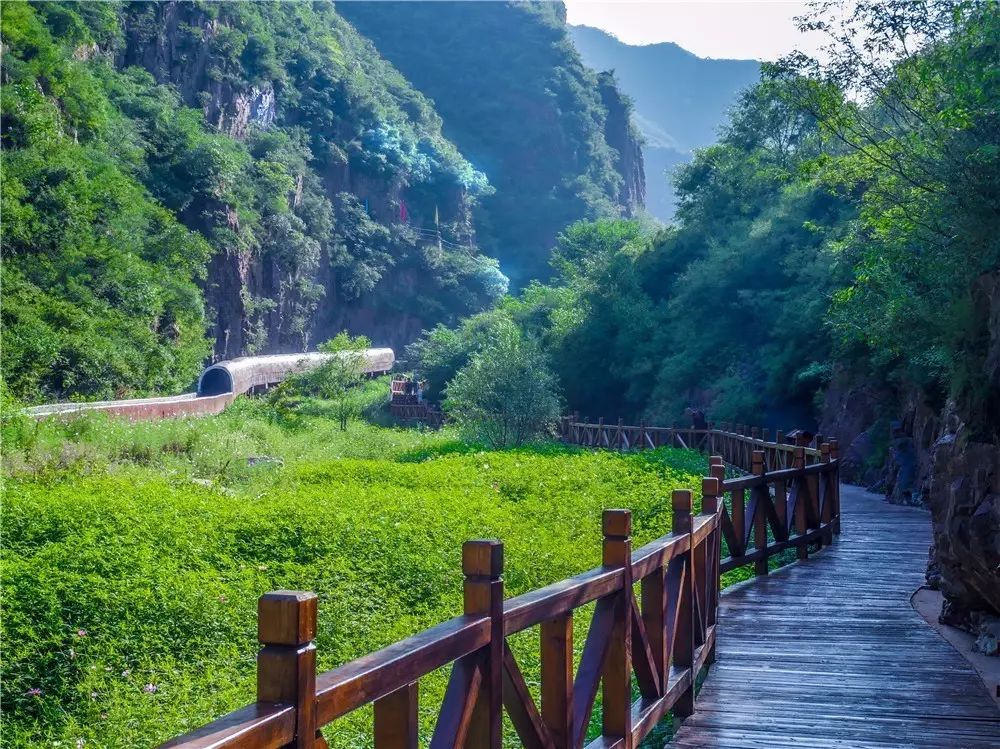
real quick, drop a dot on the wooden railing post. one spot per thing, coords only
(814, 482)
(801, 497)
(717, 470)
(557, 679)
(684, 639)
(781, 507)
(835, 455)
(286, 665)
(616, 676)
(826, 480)
(655, 615)
(482, 564)
(396, 722)
(780, 456)
(761, 496)
(711, 552)
(737, 512)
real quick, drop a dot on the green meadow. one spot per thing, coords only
(133, 554)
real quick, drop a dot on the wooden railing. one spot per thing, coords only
(664, 637)
(735, 443)
(789, 499)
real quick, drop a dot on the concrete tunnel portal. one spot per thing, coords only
(215, 380)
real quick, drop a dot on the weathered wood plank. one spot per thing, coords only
(829, 654)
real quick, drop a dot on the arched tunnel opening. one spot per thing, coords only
(215, 381)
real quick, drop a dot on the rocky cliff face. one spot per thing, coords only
(945, 457)
(400, 236)
(515, 97)
(175, 45)
(622, 136)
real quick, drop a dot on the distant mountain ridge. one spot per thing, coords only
(680, 100)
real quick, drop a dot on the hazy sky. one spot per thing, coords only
(758, 29)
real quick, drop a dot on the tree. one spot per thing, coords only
(337, 380)
(506, 394)
(910, 92)
(438, 354)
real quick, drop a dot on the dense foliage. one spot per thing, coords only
(846, 219)
(257, 159)
(337, 381)
(134, 554)
(99, 278)
(920, 135)
(506, 394)
(518, 101)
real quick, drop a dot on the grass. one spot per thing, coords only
(133, 555)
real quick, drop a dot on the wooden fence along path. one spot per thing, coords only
(830, 653)
(825, 654)
(664, 636)
(790, 499)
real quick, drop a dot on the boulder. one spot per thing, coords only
(962, 488)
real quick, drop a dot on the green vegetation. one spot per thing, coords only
(222, 173)
(506, 394)
(336, 381)
(519, 102)
(134, 554)
(845, 220)
(920, 152)
(99, 278)
(822, 232)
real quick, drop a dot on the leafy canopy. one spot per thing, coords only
(506, 394)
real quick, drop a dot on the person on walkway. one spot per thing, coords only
(697, 417)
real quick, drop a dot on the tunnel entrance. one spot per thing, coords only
(215, 381)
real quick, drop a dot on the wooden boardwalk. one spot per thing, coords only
(828, 653)
(823, 654)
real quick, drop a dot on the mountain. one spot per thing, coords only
(680, 100)
(553, 137)
(185, 180)
(196, 180)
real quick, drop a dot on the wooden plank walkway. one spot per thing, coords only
(829, 653)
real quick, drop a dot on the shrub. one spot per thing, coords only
(441, 352)
(506, 394)
(338, 379)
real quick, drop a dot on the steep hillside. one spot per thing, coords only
(518, 101)
(680, 100)
(255, 169)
